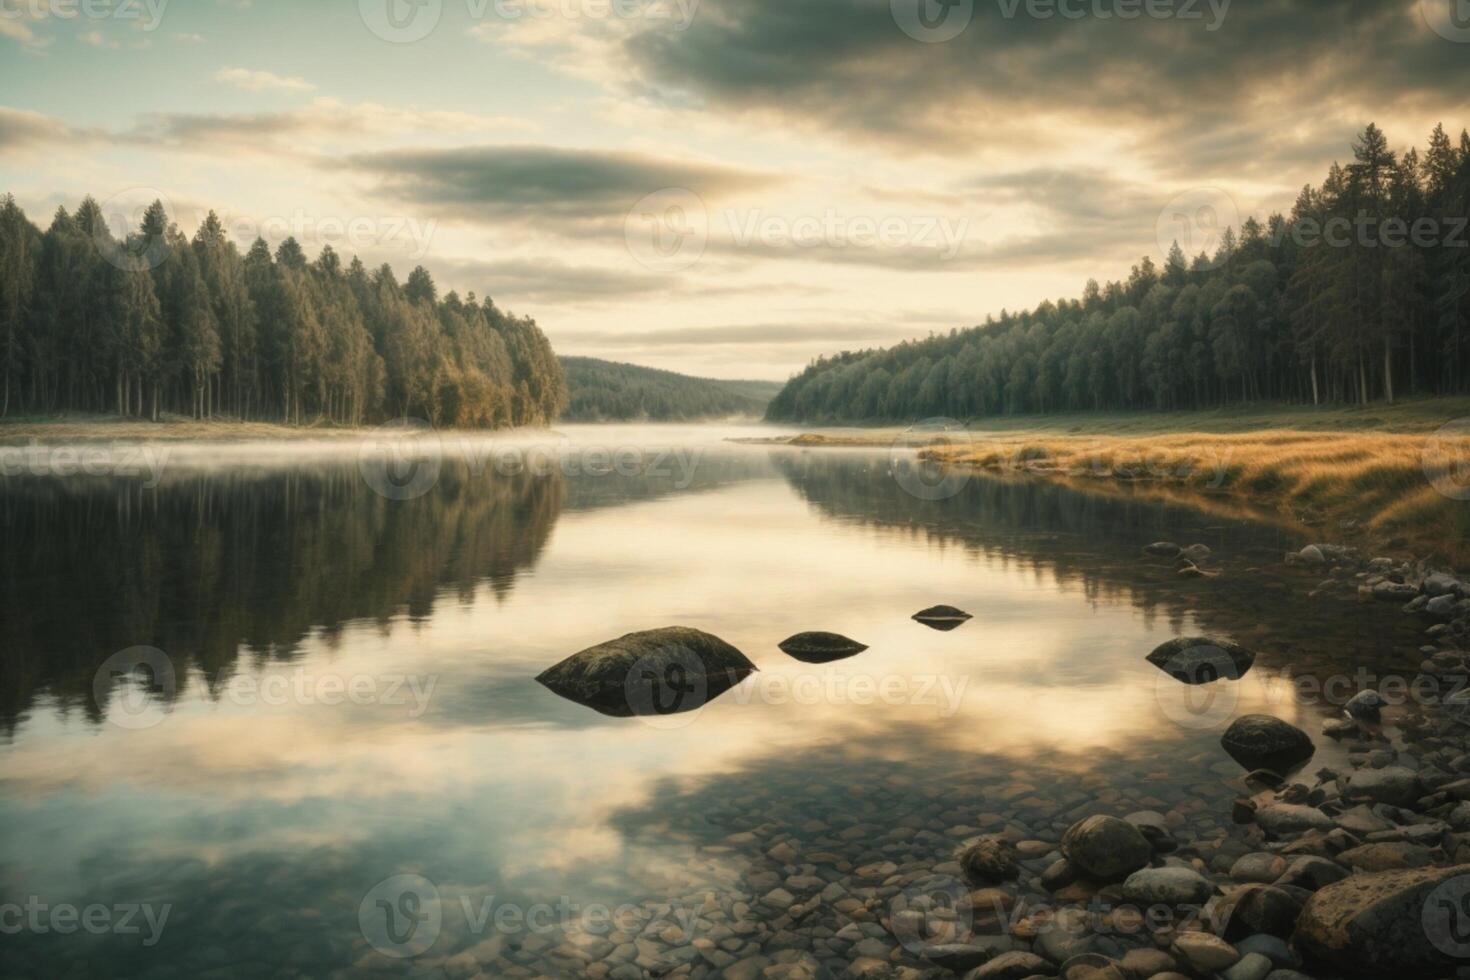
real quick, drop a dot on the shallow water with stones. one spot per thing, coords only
(270, 810)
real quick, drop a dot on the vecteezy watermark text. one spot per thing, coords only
(118, 459)
(147, 13)
(63, 918)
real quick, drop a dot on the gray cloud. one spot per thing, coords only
(541, 182)
(844, 65)
(22, 129)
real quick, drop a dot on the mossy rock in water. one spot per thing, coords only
(1202, 659)
(654, 672)
(1264, 742)
(942, 618)
(820, 648)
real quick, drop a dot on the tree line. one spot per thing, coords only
(1361, 292)
(607, 390)
(153, 322)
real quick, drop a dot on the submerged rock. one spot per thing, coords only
(1365, 706)
(1264, 742)
(1106, 847)
(989, 859)
(1200, 660)
(820, 648)
(660, 671)
(943, 618)
(1388, 924)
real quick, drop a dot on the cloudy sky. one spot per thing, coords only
(724, 187)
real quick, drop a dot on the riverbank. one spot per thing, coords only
(87, 427)
(1390, 477)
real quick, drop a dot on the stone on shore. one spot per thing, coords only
(1385, 924)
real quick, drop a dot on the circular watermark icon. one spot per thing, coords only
(667, 230)
(122, 240)
(932, 21)
(1197, 220)
(935, 910)
(929, 479)
(1445, 459)
(401, 459)
(667, 689)
(1450, 19)
(401, 21)
(133, 685)
(401, 916)
(1446, 917)
(1196, 689)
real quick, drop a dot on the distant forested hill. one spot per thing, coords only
(600, 391)
(1363, 291)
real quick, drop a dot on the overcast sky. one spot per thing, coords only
(723, 187)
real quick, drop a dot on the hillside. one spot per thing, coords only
(1292, 310)
(606, 391)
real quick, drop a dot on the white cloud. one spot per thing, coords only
(262, 81)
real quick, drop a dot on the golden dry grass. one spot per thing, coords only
(1395, 489)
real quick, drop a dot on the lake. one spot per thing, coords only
(271, 710)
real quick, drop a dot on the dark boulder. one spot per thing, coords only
(661, 671)
(820, 648)
(943, 618)
(1264, 742)
(1201, 659)
(1389, 924)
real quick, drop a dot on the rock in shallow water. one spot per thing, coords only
(1389, 924)
(1106, 847)
(817, 647)
(1202, 659)
(653, 672)
(942, 618)
(1264, 742)
(1167, 886)
(988, 860)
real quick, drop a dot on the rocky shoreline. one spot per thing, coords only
(1355, 871)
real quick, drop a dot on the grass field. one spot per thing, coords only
(1385, 476)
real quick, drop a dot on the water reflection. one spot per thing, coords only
(265, 821)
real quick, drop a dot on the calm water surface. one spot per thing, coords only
(354, 694)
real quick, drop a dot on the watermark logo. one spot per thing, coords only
(116, 241)
(401, 916)
(401, 21)
(923, 478)
(1197, 220)
(668, 230)
(667, 689)
(1450, 19)
(1196, 691)
(401, 459)
(1445, 459)
(133, 684)
(932, 911)
(1446, 917)
(932, 21)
